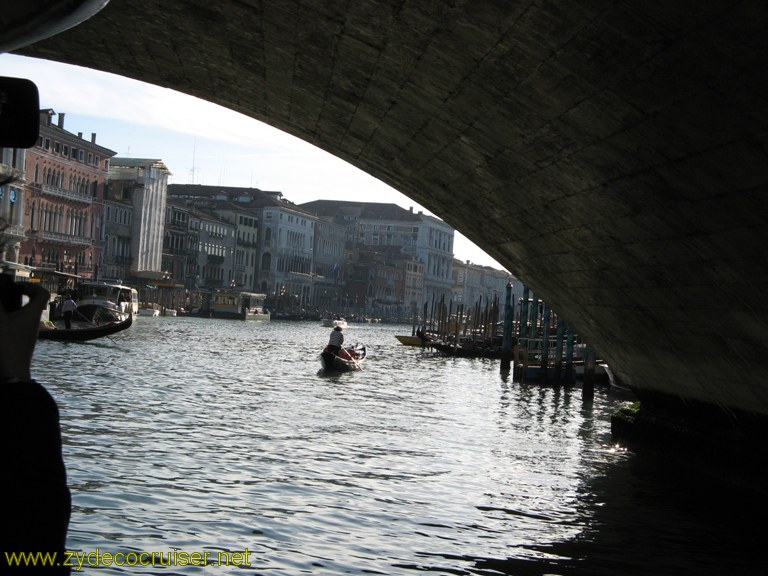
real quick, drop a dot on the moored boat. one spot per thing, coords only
(97, 298)
(410, 340)
(257, 313)
(467, 350)
(334, 363)
(151, 310)
(238, 305)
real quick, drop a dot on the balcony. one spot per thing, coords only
(64, 238)
(14, 233)
(84, 197)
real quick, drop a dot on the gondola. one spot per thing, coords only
(333, 363)
(461, 352)
(83, 334)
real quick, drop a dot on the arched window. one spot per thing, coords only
(266, 261)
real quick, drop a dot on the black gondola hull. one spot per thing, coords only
(84, 334)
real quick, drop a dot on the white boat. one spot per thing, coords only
(333, 322)
(258, 314)
(103, 298)
(151, 310)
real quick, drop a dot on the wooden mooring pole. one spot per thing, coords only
(588, 386)
(523, 333)
(507, 342)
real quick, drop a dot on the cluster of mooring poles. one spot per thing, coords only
(534, 344)
(541, 346)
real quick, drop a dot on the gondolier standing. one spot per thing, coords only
(68, 310)
(336, 340)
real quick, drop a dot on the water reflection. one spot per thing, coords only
(214, 435)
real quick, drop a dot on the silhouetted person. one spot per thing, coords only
(35, 505)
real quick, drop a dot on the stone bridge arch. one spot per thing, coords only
(610, 154)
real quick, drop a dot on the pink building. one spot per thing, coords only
(64, 200)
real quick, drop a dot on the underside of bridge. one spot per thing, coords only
(610, 153)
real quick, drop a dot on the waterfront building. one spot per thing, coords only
(177, 243)
(215, 249)
(285, 238)
(11, 206)
(474, 283)
(135, 204)
(182, 242)
(376, 283)
(416, 237)
(434, 247)
(328, 272)
(245, 219)
(64, 199)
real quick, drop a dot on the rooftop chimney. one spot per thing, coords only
(61, 119)
(79, 134)
(93, 137)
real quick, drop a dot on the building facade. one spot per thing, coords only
(142, 184)
(64, 199)
(329, 269)
(12, 182)
(283, 263)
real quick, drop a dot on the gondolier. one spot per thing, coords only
(68, 310)
(336, 340)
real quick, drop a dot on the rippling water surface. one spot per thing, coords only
(210, 435)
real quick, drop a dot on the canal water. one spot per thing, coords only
(200, 435)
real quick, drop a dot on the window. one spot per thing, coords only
(66, 149)
(47, 144)
(56, 147)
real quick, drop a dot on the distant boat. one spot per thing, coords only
(150, 310)
(48, 331)
(333, 322)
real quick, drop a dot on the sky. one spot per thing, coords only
(203, 143)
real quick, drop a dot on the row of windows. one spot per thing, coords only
(71, 152)
(214, 229)
(248, 237)
(246, 221)
(118, 215)
(118, 247)
(57, 218)
(214, 249)
(295, 239)
(53, 177)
